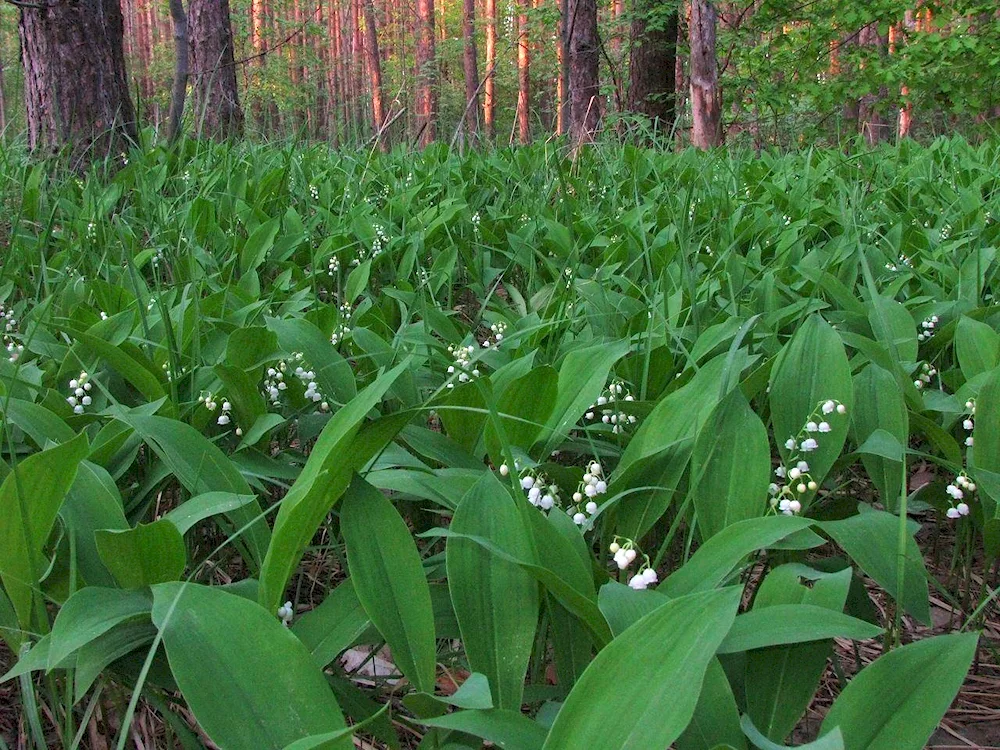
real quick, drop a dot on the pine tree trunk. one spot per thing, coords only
(75, 87)
(215, 97)
(562, 72)
(181, 69)
(706, 98)
(3, 98)
(872, 120)
(470, 69)
(427, 78)
(489, 90)
(523, 75)
(906, 110)
(651, 65)
(374, 65)
(584, 58)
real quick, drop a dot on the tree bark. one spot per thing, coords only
(3, 98)
(523, 75)
(706, 98)
(584, 58)
(653, 58)
(470, 69)
(215, 97)
(75, 87)
(179, 91)
(906, 110)
(562, 72)
(374, 65)
(872, 120)
(489, 90)
(427, 78)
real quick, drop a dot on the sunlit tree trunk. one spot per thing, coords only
(906, 110)
(427, 78)
(489, 88)
(3, 96)
(562, 72)
(706, 97)
(75, 87)
(653, 52)
(470, 68)
(214, 97)
(523, 74)
(872, 120)
(584, 59)
(374, 65)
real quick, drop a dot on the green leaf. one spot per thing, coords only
(334, 375)
(879, 406)
(524, 406)
(92, 503)
(870, 539)
(730, 466)
(504, 728)
(205, 505)
(985, 457)
(389, 580)
(896, 702)
(148, 554)
(230, 659)
(498, 638)
(641, 690)
(334, 626)
(832, 740)
(716, 719)
(258, 245)
(95, 656)
(793, 623)
(125, 365)
(30, 498)
(338, 452)
(977, 347)
(91, 612)
(811, 369)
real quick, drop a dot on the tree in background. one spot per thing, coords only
(489, 92)
(653, 45)
(215, 98)
(583, 64)
(470, 69)
(706, 98)
(426, 94)
(523, 74)
(75, 88)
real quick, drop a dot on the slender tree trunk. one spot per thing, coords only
(470, 69)
(523, 75)
(374, 65)
(584, 58)
(906, 110)
(562, 72)
(3, 97)
(706, 98)
(489, 89)
(653, 58)
(427, 78)
(75, 87)
(179, 91)
(215, 96)
(873, 125)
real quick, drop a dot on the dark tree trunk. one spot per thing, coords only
(652, 63)
(215, 97)
(374, 65)
(427, 73)
(471, 69)
(523, 75)
(562, 72)
(75, 87)
(706, 98)
(872, 119)
(584, 57)
(181, 69)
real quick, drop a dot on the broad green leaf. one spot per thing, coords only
(832, 740)
(879, 405)
(985, 457)
(781, 681)
(502, 727)
(497, 637)
(870, 539)
(338, 452)
(334, 375)
(94, 657)
(623, 606)
(30, 498)
(149, 553)
(641, 690)
(203, 506)
(977, 347)
(40, 424)
(896, 702)
(92, 503)
(125, 365)
(258, 245)
(524, 406)
(716, 719)
(231, 658)
(893, 328)
(91, 612)
(811, 369)
(332, 627)
(730, 466)
(792, 623)
(389, 580)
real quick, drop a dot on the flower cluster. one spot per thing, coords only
(211, 403)
(956, 490)
(903, 261)
(541, 493)
(332, 266)
(625, 554)
(606, 407)
(463, 363)
(926, 373)
(584, 504)
(9, 323)
(497, 329)
(285, 613)
(798, 480)
(379, 243)
(342, 330)
(79, 397)
(969, 424)
(927, 328)
(475, 222)
(314, 192)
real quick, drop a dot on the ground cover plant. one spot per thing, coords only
(545, 452)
